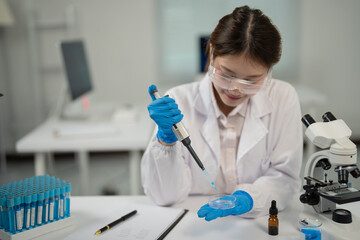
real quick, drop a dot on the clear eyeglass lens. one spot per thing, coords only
(229, 83)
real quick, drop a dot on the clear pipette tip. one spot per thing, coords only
(211, 181)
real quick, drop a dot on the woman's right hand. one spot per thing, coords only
(165, 112)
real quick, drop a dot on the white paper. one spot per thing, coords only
(148, 223)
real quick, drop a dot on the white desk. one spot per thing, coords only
(85, 210)
(132, 137)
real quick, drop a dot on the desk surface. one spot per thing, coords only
(85, 210)
(128, 136)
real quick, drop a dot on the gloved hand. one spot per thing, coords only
(165, 112)
(313, 234)
(243, 204)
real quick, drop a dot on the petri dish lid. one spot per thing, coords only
(222, 201)
(309, 223)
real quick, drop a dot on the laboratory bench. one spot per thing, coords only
(58, 135)
(86, 210)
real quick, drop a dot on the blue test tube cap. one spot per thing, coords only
(46, 194)
(57, 191)
(68, 187)
(17, 200)
(51, 193)
(41, 196)
(62, 190)
(2, 201)
(10, 202)
(28, 198)
(34, 197)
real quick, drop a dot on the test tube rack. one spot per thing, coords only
(38, 231)
(33, 207)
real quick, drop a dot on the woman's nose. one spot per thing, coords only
(234, 92)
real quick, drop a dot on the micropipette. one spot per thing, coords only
(183, 136)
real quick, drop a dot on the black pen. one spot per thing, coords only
(110, 225)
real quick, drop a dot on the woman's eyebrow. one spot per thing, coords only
(232, 72)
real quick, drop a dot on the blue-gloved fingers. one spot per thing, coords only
(311, 233)
(244, 199)
(213, 214)
(151, 88)
(203, 211)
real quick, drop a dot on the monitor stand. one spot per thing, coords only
(66, 109)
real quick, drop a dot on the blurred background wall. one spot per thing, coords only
(131, 44)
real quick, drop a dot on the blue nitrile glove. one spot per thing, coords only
(243, 204)
(165, 112)
(313, 234)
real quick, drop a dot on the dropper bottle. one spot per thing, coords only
(273, 225)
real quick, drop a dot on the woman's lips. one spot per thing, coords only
(232, 98)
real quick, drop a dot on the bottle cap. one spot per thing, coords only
(342, 216)
(51, 193)
(273, 210)
(68, 187)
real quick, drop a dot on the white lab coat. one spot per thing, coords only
(269, 153)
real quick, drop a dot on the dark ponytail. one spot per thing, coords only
(247, 31)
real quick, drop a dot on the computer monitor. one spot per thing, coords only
(77, 69)
(203, 56)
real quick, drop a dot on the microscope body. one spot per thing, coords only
(332, 135)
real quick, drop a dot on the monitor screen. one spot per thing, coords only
(77, 69)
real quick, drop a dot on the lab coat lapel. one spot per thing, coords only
(210, 129)
(254, 129)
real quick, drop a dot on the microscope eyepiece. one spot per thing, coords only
(307, 120)
(328, 117)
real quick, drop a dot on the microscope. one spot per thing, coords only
(331, 135)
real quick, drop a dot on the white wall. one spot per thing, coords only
(134, 43)
(181, 23)
(120, 44)
(330, 56)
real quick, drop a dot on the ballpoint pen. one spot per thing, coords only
(110, 225)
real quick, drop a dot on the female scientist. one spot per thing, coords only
(244, 125)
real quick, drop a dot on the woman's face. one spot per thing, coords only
(237, 66)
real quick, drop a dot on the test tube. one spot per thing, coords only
(46, 207)
(56, 205)
(2, 212)
(5, 219)
(27, 211)
(19, 213)
(51, 205)
(33, 209)
(67, 199)
(40, 206)
(62, 202)
(11, 215)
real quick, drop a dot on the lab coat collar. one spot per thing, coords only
(253, 130)
(210, 129)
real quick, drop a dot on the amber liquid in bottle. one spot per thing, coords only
(273, 223)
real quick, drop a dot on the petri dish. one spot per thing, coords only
(309, 223)
(311, 228)
(222, 201)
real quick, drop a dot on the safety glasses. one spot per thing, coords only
(230, 83)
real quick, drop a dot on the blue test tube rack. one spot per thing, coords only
(32, 204)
